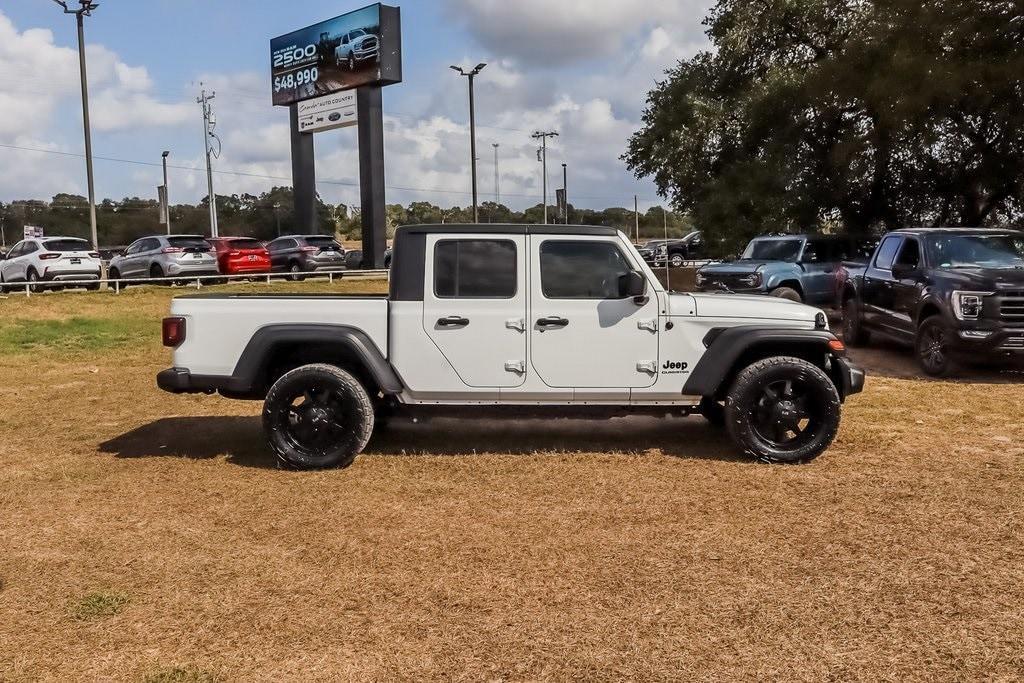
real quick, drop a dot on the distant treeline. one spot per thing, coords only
(272, 213)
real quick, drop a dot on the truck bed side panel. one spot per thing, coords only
(218, 329)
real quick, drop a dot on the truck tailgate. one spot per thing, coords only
(218, 328)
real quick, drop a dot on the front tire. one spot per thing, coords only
(295, 272)
(783, 410)
(932, 347)
(787, 293)
(317, 417)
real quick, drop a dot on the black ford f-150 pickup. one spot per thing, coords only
(953, 293)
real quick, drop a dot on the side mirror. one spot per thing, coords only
(632, 284)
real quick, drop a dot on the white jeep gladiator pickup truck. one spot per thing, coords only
(514, 320)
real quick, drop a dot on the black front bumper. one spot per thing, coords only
(850, 378)
(998, 342)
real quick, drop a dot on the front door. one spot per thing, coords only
(474, 306)
(583, 334)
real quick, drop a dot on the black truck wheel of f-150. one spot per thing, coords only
(854, 333)
(783, 410)
(317, 416)
(933, 347)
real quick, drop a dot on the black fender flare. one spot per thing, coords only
(252, 363)
(726, 346)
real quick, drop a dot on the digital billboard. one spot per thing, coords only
(357, 49)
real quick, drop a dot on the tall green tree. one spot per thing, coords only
(856, 114)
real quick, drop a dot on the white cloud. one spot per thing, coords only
(545, 32)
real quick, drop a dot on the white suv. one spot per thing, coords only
(49, 261)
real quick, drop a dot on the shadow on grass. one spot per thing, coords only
(240, 439)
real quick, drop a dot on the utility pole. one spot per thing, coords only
(209, 122)
(277, 217)
(565, 191)
(86, 9)
(472, 131)
(543, 137)
(167, 192)
(636, 216)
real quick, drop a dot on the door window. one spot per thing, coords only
(17, 250)
(475, 269)
(581, 270)
(910, 254)
(887, 253)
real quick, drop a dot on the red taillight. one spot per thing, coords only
(171, 250)
(49, 257)
(173, 331)
(234, 253)
(309, 249)
(94, 254)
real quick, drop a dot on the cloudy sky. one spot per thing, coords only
(581, 67)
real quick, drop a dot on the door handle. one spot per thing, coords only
(453, 321)
(552, 321)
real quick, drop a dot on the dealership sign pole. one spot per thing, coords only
(311, 70)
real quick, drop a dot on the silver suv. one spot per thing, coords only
(164, 256)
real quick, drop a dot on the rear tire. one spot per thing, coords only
(317, 417)
(676, 260)
(787, 293)
(932, 347)
(156, 272)
(295, 272)
(854, 333)
(33, 280)
(783, 410)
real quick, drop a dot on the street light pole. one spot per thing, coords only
(497, 182)
(543, 137)
(472, 131)
(565, 191)
(167, 192)
(86, 9)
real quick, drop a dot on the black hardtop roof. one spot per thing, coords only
(506, 229)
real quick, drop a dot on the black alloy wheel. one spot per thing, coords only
(317, 416)
(933, 348)
(783, 410)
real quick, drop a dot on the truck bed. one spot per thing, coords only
(219, 326)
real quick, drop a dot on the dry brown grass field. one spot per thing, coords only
(147, 537)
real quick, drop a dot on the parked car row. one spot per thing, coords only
(47, 262)
(673, 252)
(951, 294)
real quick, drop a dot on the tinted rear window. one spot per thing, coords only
(322, 243)
(245, 244)
(66, 245)
(475, 269)
(183, 242)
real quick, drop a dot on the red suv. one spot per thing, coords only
(240, 255)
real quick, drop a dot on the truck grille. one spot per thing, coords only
(733, 281)
(1011, 305)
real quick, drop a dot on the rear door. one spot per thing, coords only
(474, 306)
(583, 334)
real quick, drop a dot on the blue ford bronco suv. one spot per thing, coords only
(795, 267)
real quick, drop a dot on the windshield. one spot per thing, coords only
(654, 244)
(692, 236)
(66, 245)
(976, 251)
(772, 250)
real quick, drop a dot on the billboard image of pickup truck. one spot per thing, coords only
(357, 49)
